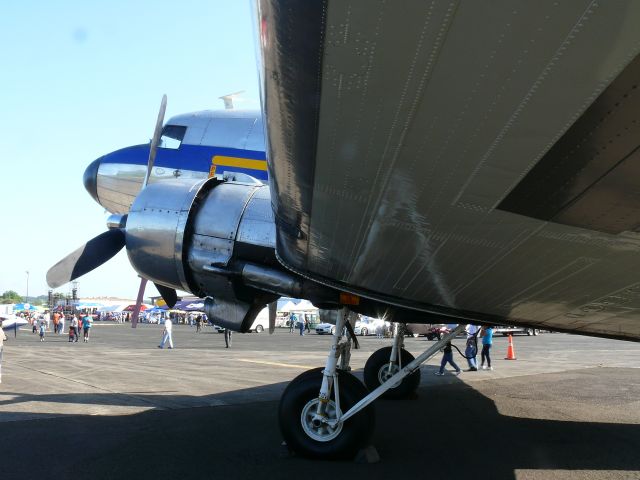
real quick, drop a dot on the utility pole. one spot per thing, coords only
(26, 299)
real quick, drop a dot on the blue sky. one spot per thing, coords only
(81, 79)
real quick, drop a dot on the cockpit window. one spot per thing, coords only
(172, 136)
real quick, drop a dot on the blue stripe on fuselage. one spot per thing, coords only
(187, 157)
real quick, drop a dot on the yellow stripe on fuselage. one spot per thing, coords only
(247, 163)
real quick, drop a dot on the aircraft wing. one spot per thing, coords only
(476, 160)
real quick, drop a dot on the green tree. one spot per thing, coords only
(10, 297)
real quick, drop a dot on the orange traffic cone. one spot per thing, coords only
(511, 353)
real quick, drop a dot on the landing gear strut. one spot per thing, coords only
(309, 420)
(388, 361)
(338, 421)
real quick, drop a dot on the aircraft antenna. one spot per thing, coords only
(228, 99)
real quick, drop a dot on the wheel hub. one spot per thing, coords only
(315, 426)
(385, 373)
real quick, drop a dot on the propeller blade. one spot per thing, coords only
(273, 308)
(169, 295)
(156, 140)
(136, 310)
(89, 256)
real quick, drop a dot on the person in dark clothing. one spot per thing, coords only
(447, 357)
(227, 337)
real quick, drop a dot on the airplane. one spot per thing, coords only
(192, 146)
(444, 162)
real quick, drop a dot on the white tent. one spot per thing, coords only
(287, 307)
(304, 306)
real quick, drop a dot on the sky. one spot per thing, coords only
(81, 79)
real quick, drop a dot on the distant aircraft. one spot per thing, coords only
(429, 162)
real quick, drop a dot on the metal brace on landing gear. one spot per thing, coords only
(394, 380)
(339, 351)
(395, 359)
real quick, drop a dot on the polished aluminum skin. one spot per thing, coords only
(182, 234)
(396, 131)
(156, 227)
(118, 183)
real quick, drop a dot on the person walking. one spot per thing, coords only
(487, 341)
(307, 326)
(227, 337)
(166, 334)
(301, 326)
(86, 326)
(292, 322)
(447, 357)
(471, 351)
(3, 337)
(198, 323)
(73, 329)
(42, 330)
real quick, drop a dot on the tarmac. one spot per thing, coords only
(119, 407)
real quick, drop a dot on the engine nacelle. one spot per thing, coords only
(181, 234)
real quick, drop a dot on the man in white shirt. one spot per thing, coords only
(2, 339)
(471, 351)
(166, 334)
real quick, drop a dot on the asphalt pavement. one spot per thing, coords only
(568, 407)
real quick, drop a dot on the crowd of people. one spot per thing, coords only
(43, 323)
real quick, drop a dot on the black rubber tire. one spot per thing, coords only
(259, 329)
(364, 332)
(332, 331)
(356, 432)
(379, 359)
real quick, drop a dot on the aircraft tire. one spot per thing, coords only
(345, 441)
(374, 375)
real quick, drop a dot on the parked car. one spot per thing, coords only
(259, 324)
(323, 328)
(367, 326)
(430, 330)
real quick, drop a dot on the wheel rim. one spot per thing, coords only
(316, 429)
(385, 374)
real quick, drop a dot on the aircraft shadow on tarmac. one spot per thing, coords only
(448, 430)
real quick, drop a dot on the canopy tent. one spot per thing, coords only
(83, 305)
(11, 321)
(22, 307)
(156, 310)
(193, 305)
(304, 306)
(287, 307)
(112, 308)
(131, 308)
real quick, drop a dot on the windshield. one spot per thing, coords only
(172, 136)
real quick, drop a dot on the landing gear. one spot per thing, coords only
(379, 369)
(327, 413)
(311, 408)
(388, 361)
(308, 433)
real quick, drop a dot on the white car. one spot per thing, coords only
(367, 326)
(323, 328)
(259, 324)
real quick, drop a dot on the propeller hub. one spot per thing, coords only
(116, 220)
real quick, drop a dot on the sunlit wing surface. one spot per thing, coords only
(473, 159)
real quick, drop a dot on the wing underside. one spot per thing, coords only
(473, 157)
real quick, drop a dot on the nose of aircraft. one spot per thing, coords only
(90, 178)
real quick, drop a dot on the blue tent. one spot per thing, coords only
(21, 307)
